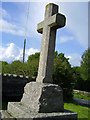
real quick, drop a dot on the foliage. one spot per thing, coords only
(62, 70)
(17, 67)
(63, 74)
(32, 64)
(5, 67)
(81, 74)
(77, 78)
(85, 65)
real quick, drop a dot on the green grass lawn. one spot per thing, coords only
(81, 96)
(83, 112)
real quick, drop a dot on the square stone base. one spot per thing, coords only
(66, 115)
(43, 97)
(40, 101)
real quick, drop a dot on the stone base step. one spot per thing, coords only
(6, 116)
(18, 111)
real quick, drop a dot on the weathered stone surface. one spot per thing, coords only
(6, 116)
(43, 97)
(53, 21)
(66, 115)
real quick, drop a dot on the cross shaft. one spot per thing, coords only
(53, 21)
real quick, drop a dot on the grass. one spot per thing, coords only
(81, 96)
(83, 112)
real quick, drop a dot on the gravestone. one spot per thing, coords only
(42, 99)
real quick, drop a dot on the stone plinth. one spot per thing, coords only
(42, 98)
(66, 115)
(43, 102)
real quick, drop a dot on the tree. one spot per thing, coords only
(77, 78)
(5, 67)
(55, 54)
(81, 73)
(17, 67)
(85, 65)
(63, 74)
(85, 70)
(32, 64)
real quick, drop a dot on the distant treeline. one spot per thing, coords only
(64, 74)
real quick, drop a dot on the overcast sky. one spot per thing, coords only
(72, 40)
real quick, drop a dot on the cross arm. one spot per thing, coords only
(56, 21)
(60, 21)
(40, 27)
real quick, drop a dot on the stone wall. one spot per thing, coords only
(13, 86)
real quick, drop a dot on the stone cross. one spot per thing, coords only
(43, 101)
(53, 21)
